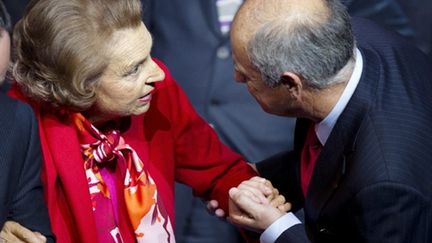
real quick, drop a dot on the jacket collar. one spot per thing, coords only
(336, 155)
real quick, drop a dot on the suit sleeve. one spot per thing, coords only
(295, 234)
(282, 170)
(384, 213)
(28, 207)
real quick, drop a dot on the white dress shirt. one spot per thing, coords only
(323, 130)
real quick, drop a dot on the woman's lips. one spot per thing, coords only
(146, 98)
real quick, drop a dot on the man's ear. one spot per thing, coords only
(292, 82)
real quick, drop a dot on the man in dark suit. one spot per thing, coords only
(362, 161)
(21, 196)
(190, 38)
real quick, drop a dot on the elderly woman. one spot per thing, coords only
(115, 128)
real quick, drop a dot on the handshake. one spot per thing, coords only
(254, 204)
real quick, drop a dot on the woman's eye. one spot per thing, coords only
(134, 70)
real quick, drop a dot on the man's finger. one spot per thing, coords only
(285, 207)
(279, 200)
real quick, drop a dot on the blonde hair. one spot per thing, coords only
(59, 47)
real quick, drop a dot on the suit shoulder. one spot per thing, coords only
(372, 36)
(365, 29)
(394, 151)
(14, 113)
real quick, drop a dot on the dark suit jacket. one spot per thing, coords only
(372, 181)
(21, 196)
(388, 13)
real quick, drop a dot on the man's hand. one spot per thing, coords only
(246, 212)
(13, 232)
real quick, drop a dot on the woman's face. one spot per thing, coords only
(126, 86)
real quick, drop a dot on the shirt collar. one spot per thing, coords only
(324, 128)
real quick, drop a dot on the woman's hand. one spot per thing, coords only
(258, 189)
(14, 232)
(246, 212)
(262, 191)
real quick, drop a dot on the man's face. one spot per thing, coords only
(4, 54)
(271, 99)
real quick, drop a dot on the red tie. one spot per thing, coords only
(310, 153)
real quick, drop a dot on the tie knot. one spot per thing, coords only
(312, 138)
(104, 149)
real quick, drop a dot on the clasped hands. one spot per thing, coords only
(254, 204)
(13, 232)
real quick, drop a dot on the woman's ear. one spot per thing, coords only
(292, 82)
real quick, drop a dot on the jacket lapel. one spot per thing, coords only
(335, 156)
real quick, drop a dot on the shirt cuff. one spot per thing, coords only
(283, 223)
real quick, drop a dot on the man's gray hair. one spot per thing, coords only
(314, 48)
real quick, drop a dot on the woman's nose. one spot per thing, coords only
(157, 73)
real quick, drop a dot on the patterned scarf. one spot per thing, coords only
(118, 181)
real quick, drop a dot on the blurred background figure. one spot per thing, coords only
(21, 196)
(388, 13)
(412, 19)
(420, 17)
